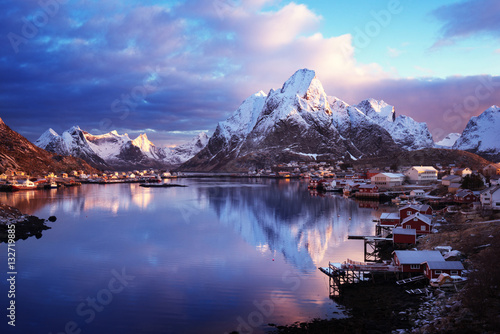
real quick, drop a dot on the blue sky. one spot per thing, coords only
(174, 68)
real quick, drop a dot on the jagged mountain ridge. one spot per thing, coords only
(299, 121)
(448, 141)
(481, 135)
(18, 154)
(115, 151)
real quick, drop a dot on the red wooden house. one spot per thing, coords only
(411, 261)
(389, 218)
(368, 189)
(404, 236)
(466, 196)
(432, 269)
(411, 209)
(419, 222)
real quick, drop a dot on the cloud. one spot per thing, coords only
(92, 63)
(393, 53)
(467, 18)
(177, 67)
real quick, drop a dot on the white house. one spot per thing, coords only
(417, 192)
(387, 180)
(490, 198)
(422, 174)
(461, 171)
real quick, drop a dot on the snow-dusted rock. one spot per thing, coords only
(481, 135)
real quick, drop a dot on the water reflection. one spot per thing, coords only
(77, 200)
(201, 255)
(288, 220)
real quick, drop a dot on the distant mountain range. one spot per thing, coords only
(115, 151)
(297, 122)
(19, 154)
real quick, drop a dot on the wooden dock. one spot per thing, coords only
(350, 272)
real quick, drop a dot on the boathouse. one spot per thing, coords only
(389, 218)
(404, 236)
(411, 261)
(432, 269)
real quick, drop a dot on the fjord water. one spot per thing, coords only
(216, 256)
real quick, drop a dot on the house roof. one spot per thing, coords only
(404, 231)
(389, 215)
(422, 169)
(368, 186)
(491, 190)
(451, 177)
(464, 192)
(391, 175)
(424, 218)
(445, 265)
(418, 207)
(418, 257)
(455, 185)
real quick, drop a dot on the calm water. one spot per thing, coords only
(216, 256)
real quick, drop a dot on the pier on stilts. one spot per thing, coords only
(371, 244)
(350, 272)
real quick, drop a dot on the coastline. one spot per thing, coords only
(25, 225)
(385, 307)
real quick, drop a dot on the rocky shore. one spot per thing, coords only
(387, 308)
(25, 225)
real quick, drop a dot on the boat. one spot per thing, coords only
(446, 281)
(26, 185)
(161, 185)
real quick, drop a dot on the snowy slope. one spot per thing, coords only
(481, 135)
(184, 152)
(406, 132)
(448, 141)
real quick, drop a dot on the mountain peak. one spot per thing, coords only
(377, 109)
(301, 82)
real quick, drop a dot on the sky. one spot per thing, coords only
(172, 69)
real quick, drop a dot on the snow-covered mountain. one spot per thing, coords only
(448, 141)
(481, 135)
(298, 121)
(406, 132)
(115, 151)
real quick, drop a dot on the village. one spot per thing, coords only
(417, 243)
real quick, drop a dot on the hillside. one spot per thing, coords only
(426, 157)
(18, 153)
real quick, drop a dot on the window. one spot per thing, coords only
(454, 273)
(438, 272)
(422, 228)
(414, 266)
(408, 213)
(408, 227)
